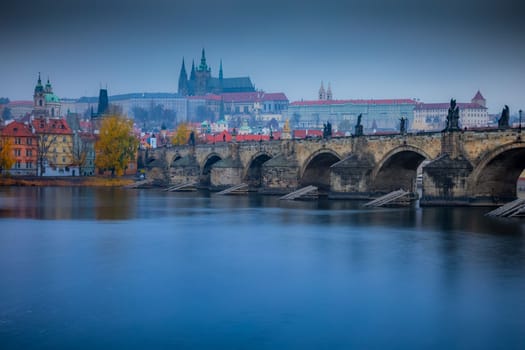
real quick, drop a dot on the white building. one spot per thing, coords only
(432, 116)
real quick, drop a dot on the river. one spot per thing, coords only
(84, 268)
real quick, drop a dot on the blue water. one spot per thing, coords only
(145, 269)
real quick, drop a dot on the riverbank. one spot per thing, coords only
(91, 181)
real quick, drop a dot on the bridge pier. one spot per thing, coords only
(226, 173)
(350, 178)
(445, 182)
(183, 170)
(280, 175)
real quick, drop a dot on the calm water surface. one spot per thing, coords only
(144, 269)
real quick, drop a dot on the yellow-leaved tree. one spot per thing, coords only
(182, 135)
(7, 158)
(116, 146)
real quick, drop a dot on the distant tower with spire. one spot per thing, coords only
(322, 92)
(479, 99)
(202, 76)
(39, 99)
(329, 92)
(183, 80)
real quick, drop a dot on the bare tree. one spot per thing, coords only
(81, 148)
(44, 144)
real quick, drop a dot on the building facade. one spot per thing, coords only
(55, 147)
(432, 116)
(377, 115)
(24, 146)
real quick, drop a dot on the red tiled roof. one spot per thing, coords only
(20, 104)
(229, 97)
(258, 96)
(301, 134)
(445, 105)
(274, 96)
(51, 126)
(357, 102)
(478, 96)
(207, 97)
(240, 97)
(17, 129)
(85, 124)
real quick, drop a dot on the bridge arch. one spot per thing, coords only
(398, 169)
(316, 169)
(205, 175)
(497, 173)
(253, 173)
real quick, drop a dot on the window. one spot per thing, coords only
(29, 152)
(63, 159)
(18, 141)
(29, 141)
(63, 138)
(29, 165)
(17, 152)
(18, 165)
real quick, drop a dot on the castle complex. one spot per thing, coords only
(201, 82)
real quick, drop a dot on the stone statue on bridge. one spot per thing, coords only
(403, 125)
(503, 121)
(358, 126)
(327, 130)
(452, 117)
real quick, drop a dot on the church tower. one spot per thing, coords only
(39, 99)
(202, 76)
(322, 92)
(479, 99)
(329, 92)
(183, 81)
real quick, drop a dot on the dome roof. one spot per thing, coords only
(52, 98)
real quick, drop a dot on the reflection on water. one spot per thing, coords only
(67, 203)
(109, 268)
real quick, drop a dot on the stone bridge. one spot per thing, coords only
(458, 167)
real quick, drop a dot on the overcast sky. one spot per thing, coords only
(431, 50)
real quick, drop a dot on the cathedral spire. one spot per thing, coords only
(183, 80)
(220, 71)
(183, 70)
(192, 73)
(329, 92)
(203, 67)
